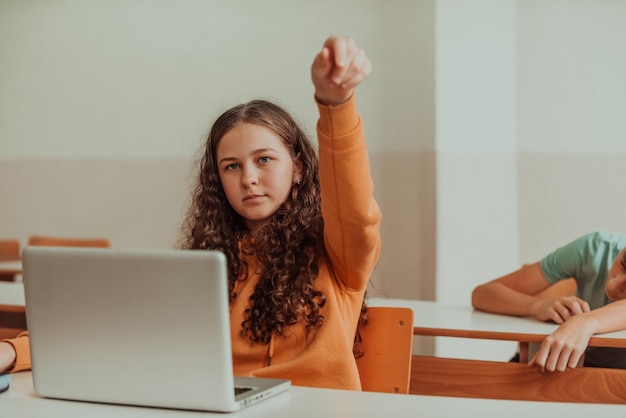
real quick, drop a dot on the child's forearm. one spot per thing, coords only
(608, 318)
(498, 298)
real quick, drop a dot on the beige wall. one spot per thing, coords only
(405, 190)
(106, 104)
(141, 203)
(134, 203)
(564, 196)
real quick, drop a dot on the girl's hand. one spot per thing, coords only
(337, 69)
(559, 310)
(7, 356)
(565, 346)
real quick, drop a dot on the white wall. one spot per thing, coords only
(135, 79)
(572, 93)
(572, 121)
(476, 153)
(570, 127)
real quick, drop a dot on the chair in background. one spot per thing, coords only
(12, 321)
(9, 251)
(53, 241)
(12, 318)
(387, 344)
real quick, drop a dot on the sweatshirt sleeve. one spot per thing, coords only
(22, 350)
(584, 258)
(351, 215)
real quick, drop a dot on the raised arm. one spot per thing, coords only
(338, 69)
(351, 215)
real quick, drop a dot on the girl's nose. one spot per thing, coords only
(250, 177)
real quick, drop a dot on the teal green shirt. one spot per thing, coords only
(588, 260)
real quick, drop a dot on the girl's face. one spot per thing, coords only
(257, 172)
(615, 288)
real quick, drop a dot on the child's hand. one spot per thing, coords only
(7, 356)
(564, 347)
(559, 310)
(338, 69)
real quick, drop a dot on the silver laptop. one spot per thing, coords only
(136, 327)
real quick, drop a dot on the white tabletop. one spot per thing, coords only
(12, 293)
(437, 315)
(426, 314)
(13, 266)
(21, 402)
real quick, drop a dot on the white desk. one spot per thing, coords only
(434, 319)
(445, 376)
(21, 402)
(438, 319)
(12, 293)
(11, 267)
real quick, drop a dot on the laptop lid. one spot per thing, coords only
(138, 327)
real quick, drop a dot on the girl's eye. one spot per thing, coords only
(232, 166)
(264, 160)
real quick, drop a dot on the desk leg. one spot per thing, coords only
(523, 352)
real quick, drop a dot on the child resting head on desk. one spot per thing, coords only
(301, 234)
(597, 262)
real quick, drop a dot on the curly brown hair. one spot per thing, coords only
(289, 249)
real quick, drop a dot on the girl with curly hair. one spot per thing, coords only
(301, 235)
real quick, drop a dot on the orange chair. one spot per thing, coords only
(12, 321)
(387, 345)
(9, 251)
(52, 241)
(12, 318)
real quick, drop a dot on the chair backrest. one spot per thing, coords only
(387, 344)
(9, 251)
(440, 376)
(12, 321)
(52, 241)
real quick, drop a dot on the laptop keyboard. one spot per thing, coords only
(240, 389)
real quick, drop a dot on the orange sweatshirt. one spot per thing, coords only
(20, 344)
(352, 234)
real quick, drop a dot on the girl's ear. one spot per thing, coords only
(298, 168)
